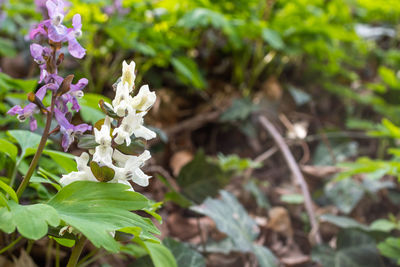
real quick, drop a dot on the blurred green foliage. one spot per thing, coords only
(242, 41)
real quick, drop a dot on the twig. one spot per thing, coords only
(193, 123)
(165, 173)
(294, 168)
(260, 158)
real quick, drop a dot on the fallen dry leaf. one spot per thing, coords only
(180, 159)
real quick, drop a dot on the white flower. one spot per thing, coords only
(128, 74)
(144, 100)
(122, 99)
(83, 174)
(103, 151)
(132, 124)
(130, 167)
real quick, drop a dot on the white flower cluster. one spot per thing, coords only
(130, 111)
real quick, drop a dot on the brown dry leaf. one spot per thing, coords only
(24, 260)
(272, 89)
(321, 172)
(295, 260)
(279, 221)
(180, 159)
(4, 262)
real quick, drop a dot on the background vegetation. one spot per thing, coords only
(324, 72)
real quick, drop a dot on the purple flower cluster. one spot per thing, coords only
(49, 57)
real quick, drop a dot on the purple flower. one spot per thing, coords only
(30, 109)
(74, 48)
(39, 53)
(57, 32)
(69, 130)
(72, 95)
(39, 30)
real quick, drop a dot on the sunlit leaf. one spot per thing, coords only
(97, 209)
(31, 220)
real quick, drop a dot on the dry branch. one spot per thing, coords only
(294, 168)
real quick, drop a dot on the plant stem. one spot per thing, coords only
(76, 252)
(10, 245)
(39, 150)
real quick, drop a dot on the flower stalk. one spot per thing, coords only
(36, 157)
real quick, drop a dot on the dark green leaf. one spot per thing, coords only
(200, 178)
(241, 109)
(354, 249)
(87, 141)
(232, 219)
(102, 173)
(184, 255)
(136, 147)
(350, 193)
(264, 256)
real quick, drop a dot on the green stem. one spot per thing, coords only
(39, 150)
(76, 252)
(10, 245)
(14, 173)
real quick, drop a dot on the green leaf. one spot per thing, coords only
(235, 163)
(8, 83)
(9, 191)
(203, 17)
(25, 139)
(383, 225)
(188, 71)
(273, 39)
(390, 248)
(292, 198)
(65, 160)
(160, 255)
(264, 256)
(96, 209)
(200, 179)
(7, 48)
(90, 110)
(184, 255)
(30, 220)
(354, 249)
(69, 243)
(9, 149)
(232, 219)
(389, 77)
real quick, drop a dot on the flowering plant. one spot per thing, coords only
(95, 201)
